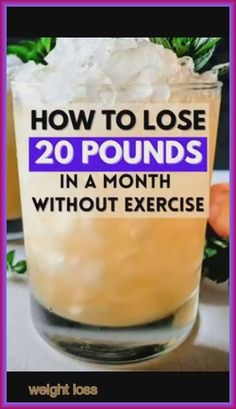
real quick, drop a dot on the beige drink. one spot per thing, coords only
(13, 193)
(111, 272)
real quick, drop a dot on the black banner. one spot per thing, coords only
(117, 21)
(118, 387)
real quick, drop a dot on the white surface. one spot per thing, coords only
(205, 350)
(220, 176)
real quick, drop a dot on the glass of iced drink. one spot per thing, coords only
(110, 289)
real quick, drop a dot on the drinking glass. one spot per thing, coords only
(114, 290)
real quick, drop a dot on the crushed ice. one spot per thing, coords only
(109, 70)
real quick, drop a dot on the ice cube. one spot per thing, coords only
(161, 93)
(14, 63)
(134, 93)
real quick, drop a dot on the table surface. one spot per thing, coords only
(206, 349)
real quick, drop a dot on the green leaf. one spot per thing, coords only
(30, 45)
(161, 41)
(204, 48)
(19, 50)
(209, 252)
(20, 267)
(200, 61)
(46, 44)
(181, 45)
(220, 243)
(33, 55)
(200, 49)
(35, 51)
(10, 259)
(204, 51)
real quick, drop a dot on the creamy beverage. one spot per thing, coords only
(119, 272)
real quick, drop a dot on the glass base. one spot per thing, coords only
(115, 345)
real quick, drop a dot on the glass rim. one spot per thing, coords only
(197, 85)
(181, 85)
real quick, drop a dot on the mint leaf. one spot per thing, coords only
(204, 51)
(35, 51)
(181, 45)
(10, 259)
(20, 267)
(19, 50)
(200, 61)
(203, 46)
(208, 252)
(200, 49)
(161, 41)
(30, 45)
(46, 44)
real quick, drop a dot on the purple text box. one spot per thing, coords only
(97, 165)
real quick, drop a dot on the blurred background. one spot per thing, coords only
(221, 55)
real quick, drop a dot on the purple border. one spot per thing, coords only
(3, 5)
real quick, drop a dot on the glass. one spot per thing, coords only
(112, 290)
(14, 224)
